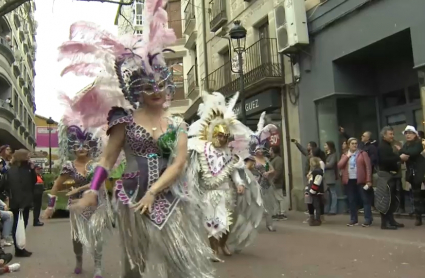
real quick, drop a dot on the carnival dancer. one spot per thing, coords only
(263, 170)
(160, 229)
(86, 229)
(221, 176)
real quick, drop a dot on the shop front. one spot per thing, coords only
(363, 71)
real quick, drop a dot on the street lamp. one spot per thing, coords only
(49, 122)
(238, 38)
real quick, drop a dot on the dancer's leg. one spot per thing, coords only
(78, 251)
(224, 246)
(98, 258)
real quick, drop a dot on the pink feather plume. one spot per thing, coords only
(83, 69)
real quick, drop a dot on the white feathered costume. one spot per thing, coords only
(227, 216)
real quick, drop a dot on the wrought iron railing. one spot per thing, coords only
(189, 13)
(218, 13)
(260, 60)
(192, 80)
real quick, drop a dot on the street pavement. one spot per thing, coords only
(294, 251)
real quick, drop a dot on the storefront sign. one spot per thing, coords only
(260, 102)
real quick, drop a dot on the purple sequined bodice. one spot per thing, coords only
(79, 179)
(143, 168)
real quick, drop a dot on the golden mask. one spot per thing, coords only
(220, 136)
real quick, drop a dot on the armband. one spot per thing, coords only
(99, 176)
(51, 203)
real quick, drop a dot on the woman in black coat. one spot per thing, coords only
(19, 183)
(411, 154)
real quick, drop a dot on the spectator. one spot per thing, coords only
(19, 182)
(7, 220)
(278, 182)
(357, 177)
(308, 152)
(411, 154)
(331, 176)
(38, 198)
(421, 134)
(314, 192)
(5, 157)
(366, 144)
(389, 166)
(344, 147)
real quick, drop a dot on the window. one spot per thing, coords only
(139, 32)
(265, 50)
(225, 56)
(394, 98)
(138, 12)
(419, 119)
(414, 93)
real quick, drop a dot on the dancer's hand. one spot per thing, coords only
(89, 199)
(240, 189)
(73, 191)
(145, 204)
(48, 213)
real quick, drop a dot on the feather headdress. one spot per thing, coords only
(260, 138)
(125, 67)
(215, 111)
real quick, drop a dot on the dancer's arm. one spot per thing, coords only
(177, 167)
(109, 157)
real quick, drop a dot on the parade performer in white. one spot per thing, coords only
(232, 205)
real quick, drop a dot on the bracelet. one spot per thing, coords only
(51, 203)
(99, 176)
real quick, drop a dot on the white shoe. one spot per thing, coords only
(14, 267)
(3, 243)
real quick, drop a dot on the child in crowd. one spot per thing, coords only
(314, 192)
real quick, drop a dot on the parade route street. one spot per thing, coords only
(294, 251)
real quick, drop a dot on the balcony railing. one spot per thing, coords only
(189, 13)
(218, 14)
(192, 79)
(261, 60)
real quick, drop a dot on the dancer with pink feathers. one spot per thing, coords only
(158, 211)
(87, 228)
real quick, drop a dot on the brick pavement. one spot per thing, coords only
(294, 251)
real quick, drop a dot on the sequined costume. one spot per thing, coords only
(169, 241)
(228, 218)
(87, 228)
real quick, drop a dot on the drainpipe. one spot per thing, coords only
(288, 138)
(204, 38)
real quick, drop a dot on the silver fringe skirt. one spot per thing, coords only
(89, 226)
(178, 250)
(269, 200)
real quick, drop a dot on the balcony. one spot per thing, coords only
(189, 18)
(6, 50)
(192, 81)
(7, 111)
(261, 70)
(218, 15)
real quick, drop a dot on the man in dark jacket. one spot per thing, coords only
(389, 164)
